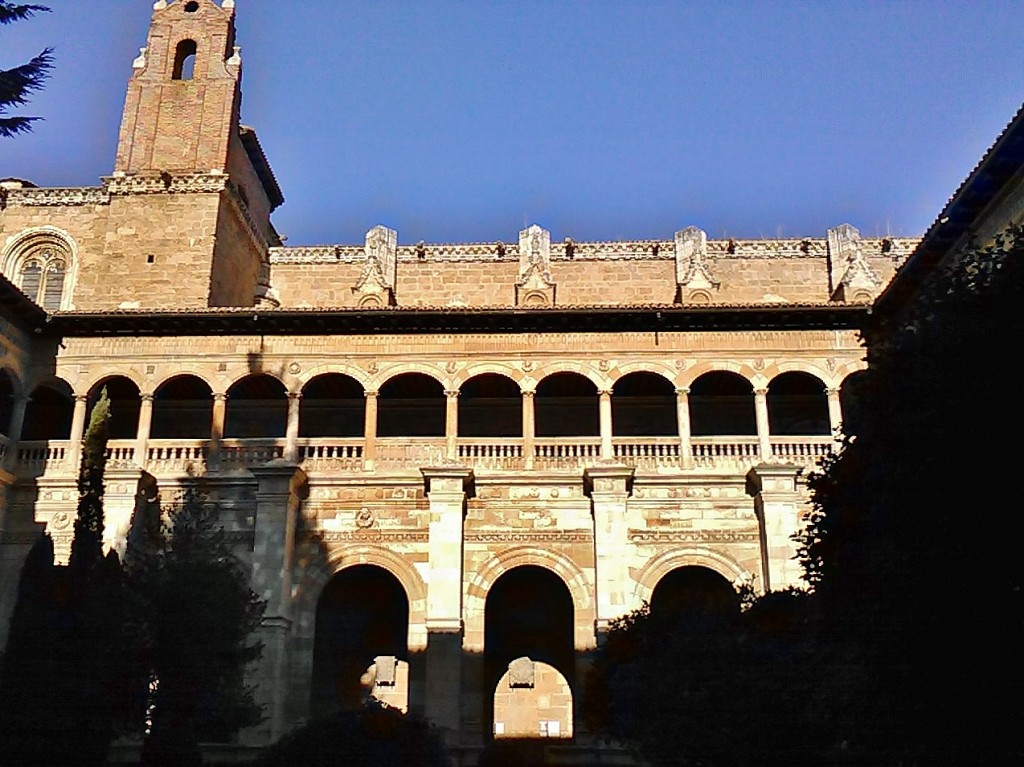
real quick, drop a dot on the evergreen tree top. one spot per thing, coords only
(18, 83)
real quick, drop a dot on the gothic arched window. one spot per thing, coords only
(41, 277)
(41, 264)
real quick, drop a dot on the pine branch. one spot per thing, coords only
(16, 84)
(12, 126)
(11, 13)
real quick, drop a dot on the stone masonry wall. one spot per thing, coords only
(602, 274)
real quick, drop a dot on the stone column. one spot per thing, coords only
(220, 409)
(529, 429)
(777, 503)
(609, 488)
(835, 411)
(451, 424)
(291, 434)
(447, 488)
(279, 485)
(142, 433)
(683, 424)
(763, 429)
(605, 414)
(77, 432)
(370, 431)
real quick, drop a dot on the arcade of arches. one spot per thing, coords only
(460, 539)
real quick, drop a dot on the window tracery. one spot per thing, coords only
(40, 263)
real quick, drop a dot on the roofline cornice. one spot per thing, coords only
(399, 321)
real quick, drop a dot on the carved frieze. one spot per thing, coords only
(529, 536)
(692, 536)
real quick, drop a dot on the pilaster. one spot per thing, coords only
(609, 488)
(777, 503)
(447, 488)
(279, 488)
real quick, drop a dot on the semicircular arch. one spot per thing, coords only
(354, 372)
(130, 374)
(585, 369)
(661, 565)
(185, 371)
(719, 366)
(580, 589)
(489, 368)
(404, 572)
(377, 382)
(619, 372)
(795, 366)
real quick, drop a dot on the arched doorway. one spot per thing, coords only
(529, 662)
(361, 643)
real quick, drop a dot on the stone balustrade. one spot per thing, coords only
(181, 457)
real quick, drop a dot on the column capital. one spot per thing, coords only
(763, 392)
(220, 397)
(832, 391)
(682, 391)
(371, 393)
(529, 393)
(448, 479)
(294, 395)
(609, 479)
(81, 397)
(272, 476)
(773, 478)
(451, 393)
(147, 397)
(604, 392)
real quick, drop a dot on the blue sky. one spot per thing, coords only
(454, 120)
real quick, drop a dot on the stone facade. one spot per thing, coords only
(481, 454)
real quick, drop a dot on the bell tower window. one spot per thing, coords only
(184, 60)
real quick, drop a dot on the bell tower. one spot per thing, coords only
(192, 192)
(183, 98)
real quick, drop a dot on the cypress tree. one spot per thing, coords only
(18, 83)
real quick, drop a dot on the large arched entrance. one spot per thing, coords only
(693, 591)
(361, 642)
(529, 663)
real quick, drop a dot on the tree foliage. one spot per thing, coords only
(713, 688)
(194, 616)
(65, 676)
(20, 82)
(906, 652)
(914, 547)
(372, 736)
